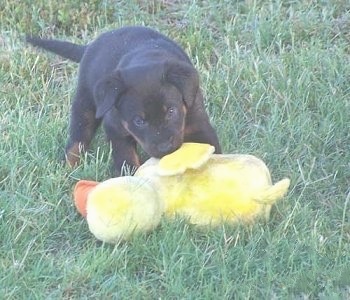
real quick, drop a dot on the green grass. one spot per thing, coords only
(276, 76)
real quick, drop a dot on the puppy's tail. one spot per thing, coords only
(68, 50)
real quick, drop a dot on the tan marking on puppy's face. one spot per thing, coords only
(156, 121)
(126, 126)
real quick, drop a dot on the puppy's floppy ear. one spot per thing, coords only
(106, 93)
(185, 78)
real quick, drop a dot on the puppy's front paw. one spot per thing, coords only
(72, 154)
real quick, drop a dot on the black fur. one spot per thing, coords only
(143, 88)
(65, 49)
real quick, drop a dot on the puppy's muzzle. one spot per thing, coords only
(166, 147)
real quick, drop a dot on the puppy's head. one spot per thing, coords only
(152, 101)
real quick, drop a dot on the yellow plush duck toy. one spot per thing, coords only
(205, 188)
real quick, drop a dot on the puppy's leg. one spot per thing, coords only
(123, 151)
(199, 130)
(204, 134)
(83, 125)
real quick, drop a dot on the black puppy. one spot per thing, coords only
(144, 89)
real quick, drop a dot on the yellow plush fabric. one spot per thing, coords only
(118, 207)
(205, 188)
(231, 188)
(189, 156)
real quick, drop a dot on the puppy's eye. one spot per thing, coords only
(171, 112)
(140, 122)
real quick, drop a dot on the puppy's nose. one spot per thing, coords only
(165, 147)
